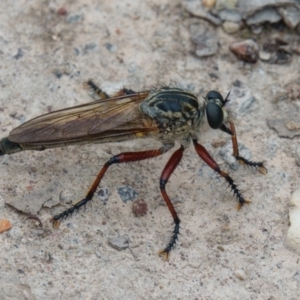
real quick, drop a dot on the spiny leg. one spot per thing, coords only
(202, 152)
(259, 165)
(121, 158)
(165, 175)
(96, 91)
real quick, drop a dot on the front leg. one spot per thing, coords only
(231, 130)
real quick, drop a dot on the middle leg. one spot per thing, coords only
(202, 152)
(99, 94)
(117, 159)
(165, 175)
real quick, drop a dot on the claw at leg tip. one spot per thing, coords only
(55, 223)
(263, 170)
(241, 162)
(164, 254)
(239, 205)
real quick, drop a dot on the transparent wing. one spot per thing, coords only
(110, 119)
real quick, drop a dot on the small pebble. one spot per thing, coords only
(280, 125)
(245, 106)
(292, 125)
(102, 256)
(111, 47)
(139, 208)
(218, 143)
(293, 234)
(19, 54)
(132, 67)
(295, 199)
(268, 14)
(256, 29)
(208, 3)
(127, 193)
(75, 18)
(62, 11)
(4, 225)
(278, 93)
(205, 39)
(230, 27)
(226, 4)
(297, 154)
(246, 50)
(240, 274)
(265, 56)
(103, 194)
(197, 9)
(293, 90)
(89, 47)
(290, 15)
(230, 15)
(66, 197)
(119, 243)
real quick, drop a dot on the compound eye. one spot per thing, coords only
(211, 95)
(215, 115)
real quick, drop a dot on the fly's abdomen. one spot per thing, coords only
(8, 147)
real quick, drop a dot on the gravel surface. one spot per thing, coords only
(48, 49)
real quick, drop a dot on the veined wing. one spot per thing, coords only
(112, 119)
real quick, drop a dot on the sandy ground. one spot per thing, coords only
(222, 253)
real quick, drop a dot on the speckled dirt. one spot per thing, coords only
(222, 254)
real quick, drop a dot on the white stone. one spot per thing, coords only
(295, 199)
(293, 235)
(240, 274)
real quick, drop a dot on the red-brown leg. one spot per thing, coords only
(165, 175)
(202, 152)
(259, 165)
(121, 158)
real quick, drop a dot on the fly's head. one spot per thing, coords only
(215, 111)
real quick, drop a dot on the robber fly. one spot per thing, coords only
(166, 113)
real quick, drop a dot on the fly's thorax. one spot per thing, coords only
(177, 112)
